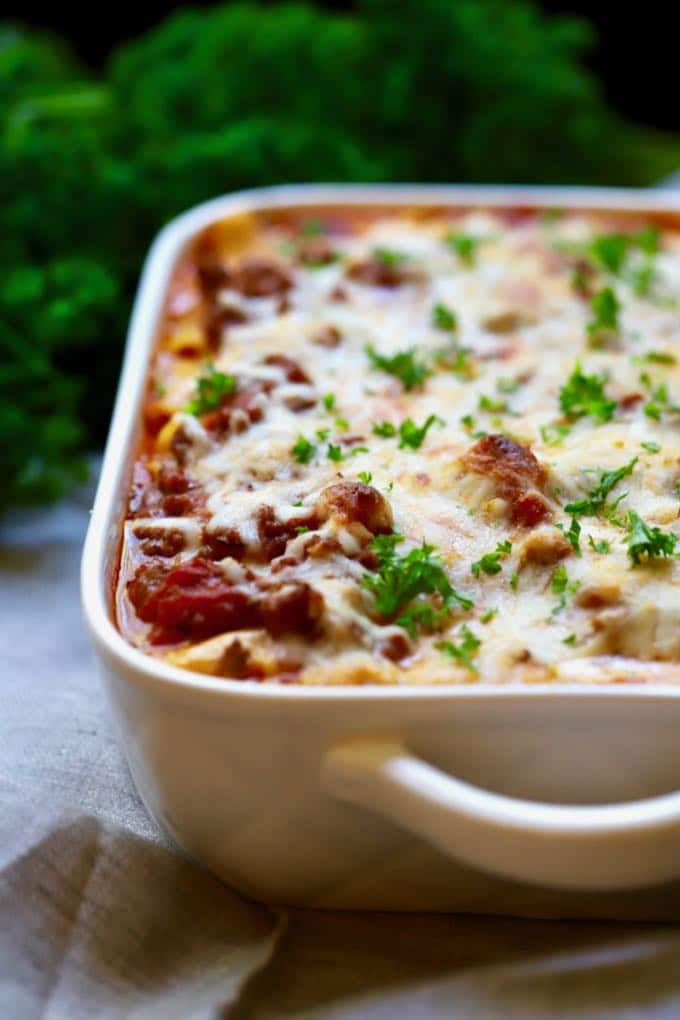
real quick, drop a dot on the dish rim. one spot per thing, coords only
(141, 336)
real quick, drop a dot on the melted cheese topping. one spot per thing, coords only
(546, 609)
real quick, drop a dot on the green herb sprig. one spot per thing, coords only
(211, 389)
(405, 365)
(463, 651)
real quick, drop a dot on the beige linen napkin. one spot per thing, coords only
(98, 922)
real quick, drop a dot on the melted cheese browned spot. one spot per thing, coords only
(388, 448)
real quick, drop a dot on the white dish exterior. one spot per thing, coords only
(323, 796)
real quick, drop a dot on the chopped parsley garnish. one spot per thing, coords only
(506, 385)
(552, 434)
(404, 365)
(423, 616)
(329, 401)
(210, 391)
(303, 450)
(336, 454)
(514, 581)
(389, 258)
(412, 435)
(584, 395)
(465, 650)
(384, 429)
(366, 477)
(561, 586)
(313, 228)
(642, 279)
(648, 239)
(401, 579)
(323, 434)
(660, 400)
(605, 322)
(570, 640)
(492, 406)
(651, 447)
(490, 562)
(610, 251)
(488, 616)
(464, 245)
(601, 546)
(444, 318)
(457, 360)
(596, 499)
(655, 358)
(469, 423)
(573, 534)
(646, 542)
(302, 528)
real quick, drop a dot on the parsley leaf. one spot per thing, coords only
(660, 400)
(335, 453)
(384, 429)
(412, 435)
(210, 391)
(655, 357)
(646, 542)
(404, 365)
(492, 406)
(313, 228)
(366, 477)
(490, 562)
(464, 245)
(457, 360)
(444, 318)
(389, 258)
(329, 401)
(648, 239)
(303, 450)
(400, 579)
(601, 546)
(573, 534)
(584, 395)
(506, 385)
(466, 649)
(610, 251)
(561, 585)
(605, 322)
(552, 434)
(596, 498)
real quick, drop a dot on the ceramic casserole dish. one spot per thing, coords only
(557, 798)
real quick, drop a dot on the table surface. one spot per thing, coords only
(99, 917)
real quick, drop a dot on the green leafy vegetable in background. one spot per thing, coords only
(226, 97)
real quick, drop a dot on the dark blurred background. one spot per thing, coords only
(115, 119)
(635, 55)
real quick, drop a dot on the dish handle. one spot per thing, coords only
(609, 846)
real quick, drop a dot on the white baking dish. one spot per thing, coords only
(474, 797)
